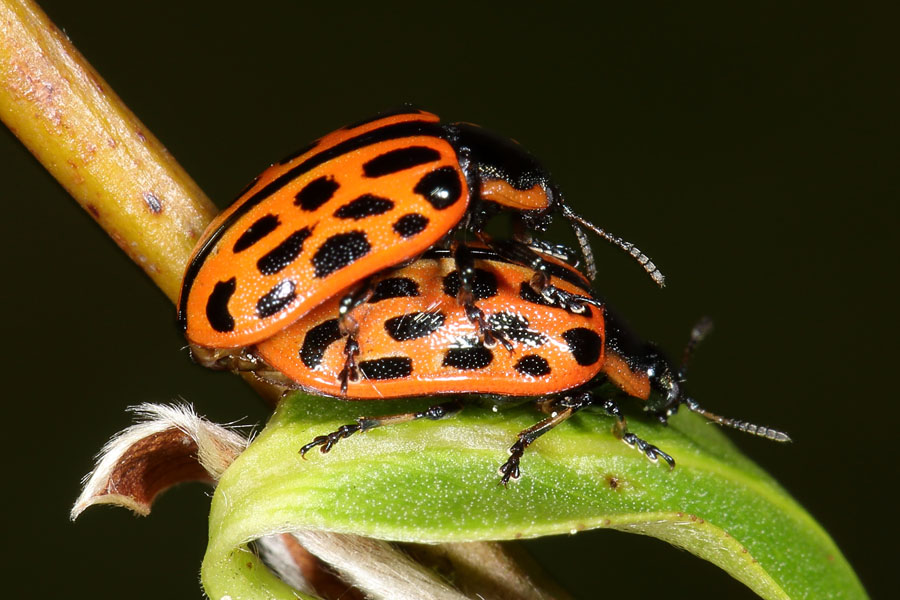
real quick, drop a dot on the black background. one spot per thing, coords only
(751, 153)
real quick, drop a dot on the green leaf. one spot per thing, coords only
(429, 481)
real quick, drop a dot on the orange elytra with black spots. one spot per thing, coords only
(408, 336)
(359, 200)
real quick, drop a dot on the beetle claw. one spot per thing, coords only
(650, 451)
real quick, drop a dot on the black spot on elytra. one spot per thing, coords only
(394, 367)
(441, 187)
(210, 242)
(413, 325)
(276, 299)
(584, 344)
(410, 225)
(400, 159)
(316, 193)
(260, 229)
(395, 287)
(340, 250)
(515, 327)
(217, 306)
(468, 359)
(284, 253)
(366, 205)
(484, 284)
(533, 365)
(317, 340)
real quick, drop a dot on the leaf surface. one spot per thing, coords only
(437, 482)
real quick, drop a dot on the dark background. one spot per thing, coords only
(752, 154)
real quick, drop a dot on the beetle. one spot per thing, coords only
(409, 337)
(361, 199)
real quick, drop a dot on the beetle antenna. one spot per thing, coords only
(702, 329)
(766, 432)
(585, 244)
(628, 247)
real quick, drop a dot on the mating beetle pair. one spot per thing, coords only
(354, 239)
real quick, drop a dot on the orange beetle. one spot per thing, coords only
(409, 337)
(359, 200)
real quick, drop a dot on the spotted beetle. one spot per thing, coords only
(409, 337)
(361, 199)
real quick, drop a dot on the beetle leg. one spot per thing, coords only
(524, 254)
(358, 295)
(523, 234)
(510, 469)
(558, 251)
(350, 372)
(348, 326)
(620, 430)
(327, 442)
(649, 450)
(224, 359)
(239, 361)
(465, 266)
(273, 377)
(573, 303)
(563, 408)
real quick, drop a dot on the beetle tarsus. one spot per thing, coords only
(573, 303)
(363, 424)
(328, 441)
(569, 405)
(510, 469)
(350, 372)
(650, 451)
(490, 335)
